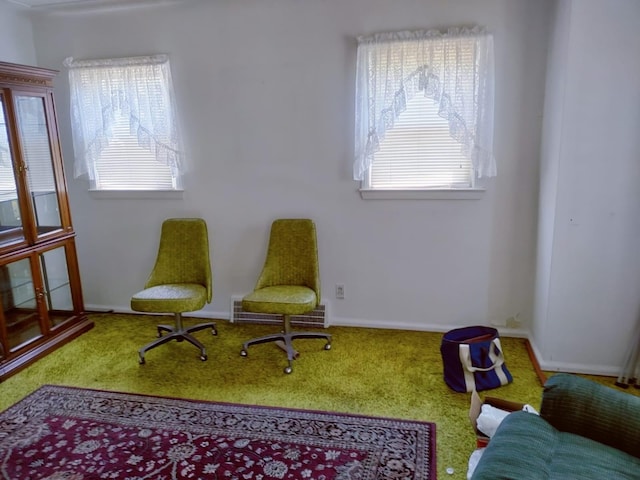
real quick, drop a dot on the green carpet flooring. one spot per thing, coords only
(368, 371)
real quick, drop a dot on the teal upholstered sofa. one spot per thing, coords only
(585, 431)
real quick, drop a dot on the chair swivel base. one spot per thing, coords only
(178, 333)
(287, 338)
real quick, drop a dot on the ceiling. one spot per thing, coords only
(53, 4)
(48, 3)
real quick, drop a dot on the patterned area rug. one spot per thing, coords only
(77, 434)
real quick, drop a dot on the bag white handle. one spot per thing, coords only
(495, 354)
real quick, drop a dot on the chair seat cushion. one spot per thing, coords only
(170, 298)
(281, 299)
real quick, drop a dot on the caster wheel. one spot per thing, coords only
(288, 370)
(141, 361)
(243, 353)
(203, 358)
(327, 346)
(214, 332)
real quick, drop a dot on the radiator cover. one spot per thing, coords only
(314, 319)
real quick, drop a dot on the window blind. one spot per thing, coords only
(419, 153)
(125, 165)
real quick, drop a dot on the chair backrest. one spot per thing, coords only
(183, 254)
(292, 256)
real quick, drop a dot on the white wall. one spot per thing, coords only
(549, 166)
(266, 89)
(589, 260)
(16, 35)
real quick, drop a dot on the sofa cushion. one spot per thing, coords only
(526, 447)
(577, 405)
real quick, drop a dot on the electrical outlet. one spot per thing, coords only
(339, 290)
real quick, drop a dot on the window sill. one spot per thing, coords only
(444, 194)
(137, 194)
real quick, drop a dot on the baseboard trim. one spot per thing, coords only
(551, 366)
(419, 327)
(534, 361)
(604, 371)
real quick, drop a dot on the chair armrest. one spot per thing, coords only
(576, 405)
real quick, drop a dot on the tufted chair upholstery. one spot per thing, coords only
(289, 283)
(179, 282)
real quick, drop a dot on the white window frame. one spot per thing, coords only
(394, 71)
(125, 107)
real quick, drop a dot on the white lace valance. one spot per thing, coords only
(455, 69)
(138, 87)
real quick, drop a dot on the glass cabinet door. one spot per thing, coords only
(19, 303)
(38, 159)
(11, 229)
(57, 288)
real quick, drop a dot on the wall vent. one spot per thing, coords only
(315, 319)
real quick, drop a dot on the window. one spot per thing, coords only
(124, 124)
(424, 110)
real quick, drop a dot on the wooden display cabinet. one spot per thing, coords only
(41, 305)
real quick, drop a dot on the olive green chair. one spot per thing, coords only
(180, 282)
(289, 283)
